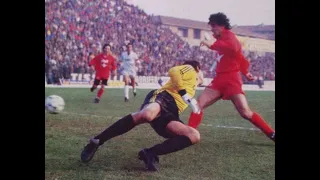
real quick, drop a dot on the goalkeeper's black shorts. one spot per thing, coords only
(169, 111)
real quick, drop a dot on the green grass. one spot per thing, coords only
(222, 154)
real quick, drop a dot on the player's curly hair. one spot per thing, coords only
(194, 64)
(105, 45)
(219, 19)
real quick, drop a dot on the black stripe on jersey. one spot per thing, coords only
(185, 69)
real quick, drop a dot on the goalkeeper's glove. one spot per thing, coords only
(190, 101)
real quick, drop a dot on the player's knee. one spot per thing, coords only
(150, 112)
(138, 117)
(245, 113)
(202, 101)
(147, 115)
(194, 135)
(143, 116)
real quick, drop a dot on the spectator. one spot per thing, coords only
(76, 28)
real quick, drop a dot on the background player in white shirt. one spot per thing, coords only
(129, 59)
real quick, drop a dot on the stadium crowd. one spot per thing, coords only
(73, 28)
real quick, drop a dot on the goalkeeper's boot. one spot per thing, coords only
(149, 160)
(89, 150)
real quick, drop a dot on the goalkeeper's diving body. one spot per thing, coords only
(161, 109)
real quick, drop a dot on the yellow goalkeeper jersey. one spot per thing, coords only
(181, 77)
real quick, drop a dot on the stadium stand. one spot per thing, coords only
(74, 27)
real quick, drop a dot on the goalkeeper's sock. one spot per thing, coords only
(120, 127)
(171, 145)
(260, 123)
(195, 119)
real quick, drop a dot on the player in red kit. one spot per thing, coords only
(103, 63)
(227, 84)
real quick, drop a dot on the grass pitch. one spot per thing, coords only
(229, 149)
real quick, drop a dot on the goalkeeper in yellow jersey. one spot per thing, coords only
(161, 109)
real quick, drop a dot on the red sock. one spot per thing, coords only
(100, 92)
(195, 119)
(260, 123)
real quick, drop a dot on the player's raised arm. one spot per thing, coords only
(137, 57)
(92, 62)
(244, 68)
(244, 65)
(228, 46)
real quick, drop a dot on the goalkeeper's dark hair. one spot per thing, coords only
(194, 64)
(219, 19)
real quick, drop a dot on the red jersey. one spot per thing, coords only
(103, 64)
(230, 57)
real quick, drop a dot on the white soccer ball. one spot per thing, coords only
(54, 104)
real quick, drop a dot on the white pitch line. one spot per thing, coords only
(236, 127)
(209, 125)
(85, 114)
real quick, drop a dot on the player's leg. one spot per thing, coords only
(101, 90)
(241, 104)
(126, 87)
(96, 83)
(182, 136)
(133, 83)
(147, 114)
(123, 125)
(206, 98)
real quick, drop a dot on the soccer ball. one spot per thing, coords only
(54, 104)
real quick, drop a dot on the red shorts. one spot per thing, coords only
(101, 77)
(228, 84)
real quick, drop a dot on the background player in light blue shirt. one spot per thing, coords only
(129, 59)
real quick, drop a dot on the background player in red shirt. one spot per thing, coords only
(103, 63)
(227, 84)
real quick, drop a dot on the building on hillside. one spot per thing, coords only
(253, 38)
